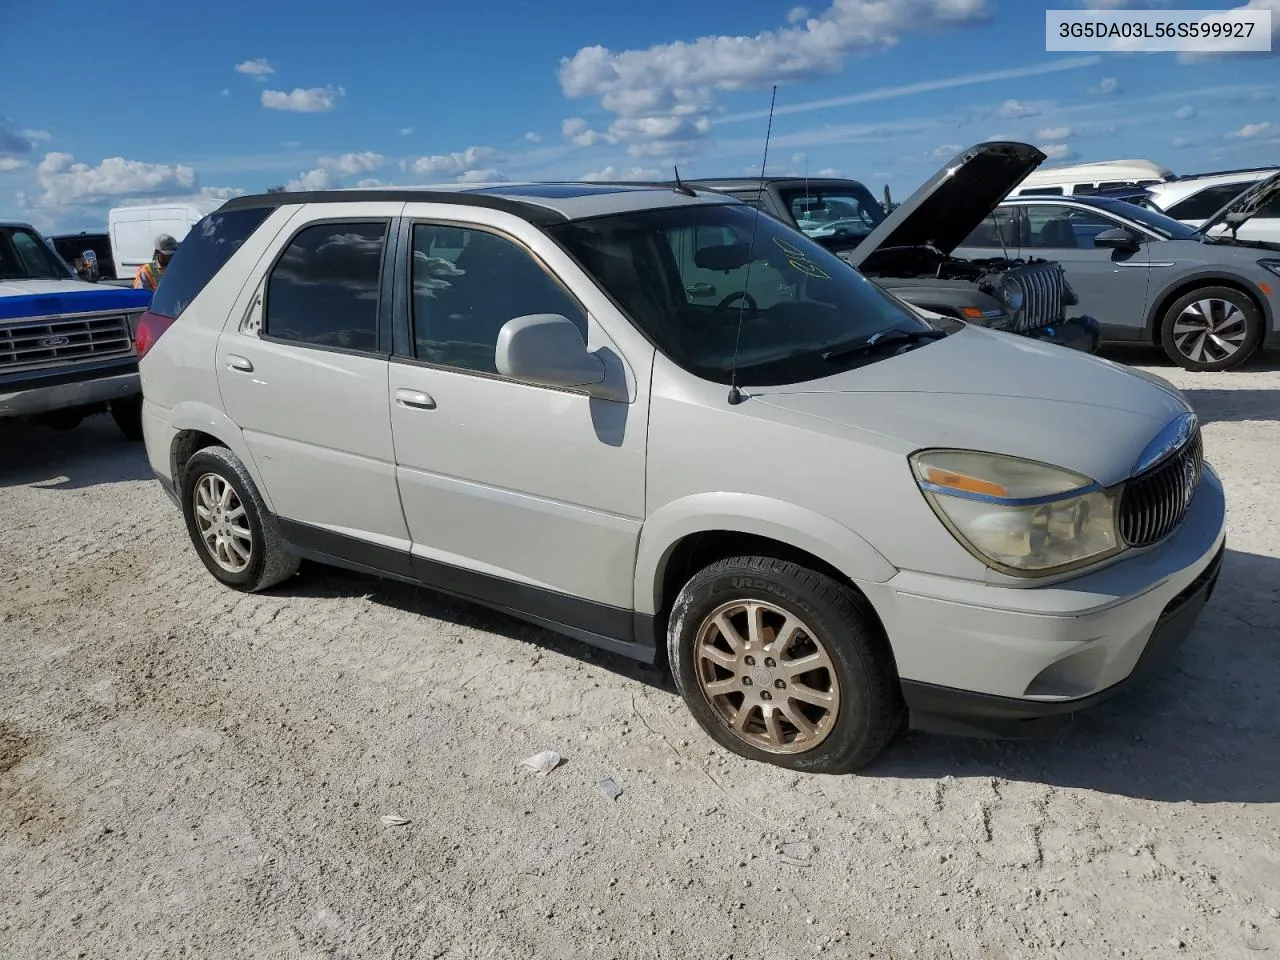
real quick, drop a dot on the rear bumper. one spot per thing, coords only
(1078, 333)
(33, 393)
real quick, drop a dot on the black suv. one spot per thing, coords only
(908, 252)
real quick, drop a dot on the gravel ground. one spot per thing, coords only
(188, 771)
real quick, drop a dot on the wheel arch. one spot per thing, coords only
(196, 426)
(1184, 285)
(688, 534)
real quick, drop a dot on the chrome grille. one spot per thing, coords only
(1155, 502)
(33, 342)
(1042, 285)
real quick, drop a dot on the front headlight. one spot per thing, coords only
(1018, 516)
(1013, 294)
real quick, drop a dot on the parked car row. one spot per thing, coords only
(660, 421)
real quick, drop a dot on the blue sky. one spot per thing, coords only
(183, 100)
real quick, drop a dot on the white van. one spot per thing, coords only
(133, 229)
(1086, 178)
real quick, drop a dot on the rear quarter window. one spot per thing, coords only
(201, 254)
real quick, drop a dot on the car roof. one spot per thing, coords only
(753, 183)
(1174, 190)
(539, 203)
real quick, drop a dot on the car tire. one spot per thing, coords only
(229, 525)
(832, 632)
(127, 413)
(1231, 324)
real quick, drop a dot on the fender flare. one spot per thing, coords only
(1208, 276)
(826, 539)
(195, 415)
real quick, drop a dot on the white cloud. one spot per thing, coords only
(681, 79)
(1015, 110)
(224, 92)
(37, 136)
(455, 164)
(619, 173)
(1262, 95)
(321, 178)
(1055, 133)
(1184, 113)
(405, 131)
(259, 68)
(828, 172)
(8, 164)
(311, 100)
(1255, 131)
(1058, 151)
(578, 132)
(1107, 86)
(945, 152)
(533, 137)
(371, 182)
(485, 175)
(1180, 142)
(1124, 4)
(1272, 5)
(796, 14)
(66, 182)
(352, 163)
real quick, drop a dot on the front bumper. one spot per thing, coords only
(990, 660)
(1078, 333)
(32, 393)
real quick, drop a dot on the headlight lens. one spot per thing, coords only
(1272, 265)
(1019, 516)
(1011, 289)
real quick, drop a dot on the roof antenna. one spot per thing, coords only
(680, 187)
(736, 395)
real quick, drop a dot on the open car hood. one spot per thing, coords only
(952, 203)
(1244, 206)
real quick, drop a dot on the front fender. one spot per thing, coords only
(746, 513)
(194, 415)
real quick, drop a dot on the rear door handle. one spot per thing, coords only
(415, 399)
(243, 364)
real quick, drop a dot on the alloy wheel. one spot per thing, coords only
(1210, 330)
(767, 676)
(222, 523)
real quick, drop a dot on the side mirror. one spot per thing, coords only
(546, 348)
(1117, 238)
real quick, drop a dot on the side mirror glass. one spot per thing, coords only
(546, 348)
(1117, 238)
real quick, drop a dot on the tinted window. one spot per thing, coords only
(1001, 225)
(849, 212)
(323, 290)
(1061, 227)
(466, 285)
(24, 256)
(201, 254)
(1207, 202)
(1044, 191)
(680, 274)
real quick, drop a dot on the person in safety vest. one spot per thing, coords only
(149, 274)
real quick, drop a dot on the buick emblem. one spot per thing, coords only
(55, 341)
(1189, 482)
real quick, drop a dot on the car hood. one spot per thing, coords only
(954, 201)
(1246, 205)
(43, 298)
(983, 390)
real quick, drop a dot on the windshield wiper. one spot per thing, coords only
(885, 338)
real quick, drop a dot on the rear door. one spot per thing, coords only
(302, 367)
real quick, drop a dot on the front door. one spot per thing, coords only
(303, 372)
(516, 494)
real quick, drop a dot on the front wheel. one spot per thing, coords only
(1213, 328)
(785, 665)
(230, 526)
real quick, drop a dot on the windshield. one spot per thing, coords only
(24, 256)
(686, 275)
(1153, 220)
(847, 212)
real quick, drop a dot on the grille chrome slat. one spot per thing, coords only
(1042, 285)
(1155, 502)
(25, 343)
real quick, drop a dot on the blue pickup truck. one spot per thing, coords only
(66, 345)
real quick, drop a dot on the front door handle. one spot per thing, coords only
(243, 364)
(415, 399)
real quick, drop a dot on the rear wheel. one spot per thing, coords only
(230, 526)
(127, 413)
(782, 664)
(1212, 328)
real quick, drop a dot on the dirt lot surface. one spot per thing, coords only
(188, 771)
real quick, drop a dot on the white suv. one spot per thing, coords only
(828, 512)
(1193, 200)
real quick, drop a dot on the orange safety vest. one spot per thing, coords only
(147, 277)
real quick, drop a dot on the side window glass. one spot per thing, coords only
(1055, 227)
(1207, 202)
(466, 285)
(1000, 225)
(323, 291)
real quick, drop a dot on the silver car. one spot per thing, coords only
(1209, 299)
(829, 513)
